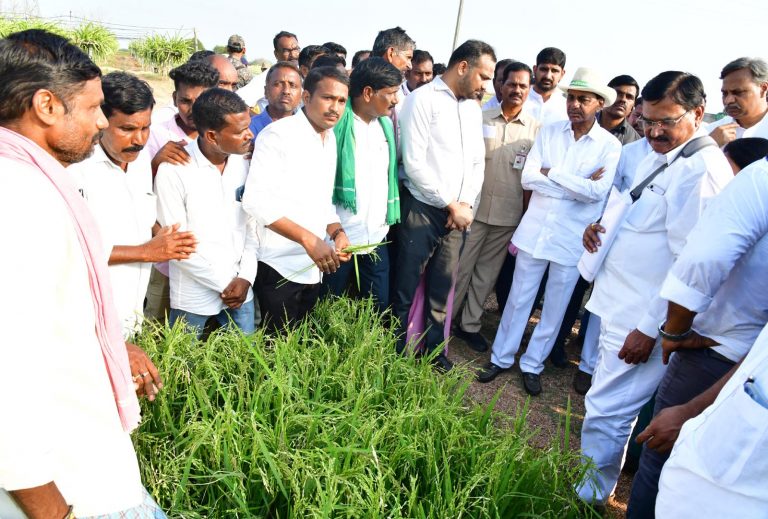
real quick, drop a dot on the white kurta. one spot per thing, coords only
(718, 466)
(125, 208)
(758, 130)
(546, 112)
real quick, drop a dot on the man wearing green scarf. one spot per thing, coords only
(365, 191)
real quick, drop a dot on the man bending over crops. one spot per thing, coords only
(288, 192)
(365, 192)
(68, 394)
(206, 196)
(116, 182)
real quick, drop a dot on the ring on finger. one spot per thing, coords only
(144, 374)
(136, 377)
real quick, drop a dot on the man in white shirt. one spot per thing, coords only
(167, 142)
(420, 72)
(718, 305)
(365, 191)
(206, 197)
(498, 72)
(570, 170)
(289, 194)
(116, 182)
(626, 290)
(545, 103)
(443, 153)
(745, 86)
(718, 466)
(65, 446)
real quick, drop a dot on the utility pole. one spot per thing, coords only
(194, 31)
(458, 25)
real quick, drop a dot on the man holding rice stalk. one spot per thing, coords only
(289, 192)
(366, 193)
(69, 388)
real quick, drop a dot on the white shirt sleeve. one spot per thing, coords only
(263, 198)
(532, 177)
(477, 175)
(584, 189)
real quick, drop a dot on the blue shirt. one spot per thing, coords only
(259, 122)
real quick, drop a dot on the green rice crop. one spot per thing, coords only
(328, 421)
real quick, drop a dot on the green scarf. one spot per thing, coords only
(344, 194)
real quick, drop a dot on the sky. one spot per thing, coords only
(613, 37)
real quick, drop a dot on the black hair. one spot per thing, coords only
(747, 150)
(395, 38)
(498, 70)
(625, 80)
(439, 68)
(309, 53)
(329, 60)
(357, 58)
(282, 34)
(125, 93)
(35, 59)
(471, 51)
(516, 66)
(639, 101)
(551, 55)
(335, 47)
(212, 106)
(196, 74)
(318, 74)
(420, 56)
(201, 55)
(682, 88)
(282, 64)
(376, 73)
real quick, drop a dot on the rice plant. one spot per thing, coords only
(95, 40)
(328, 421)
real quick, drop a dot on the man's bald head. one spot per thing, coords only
(227, 72)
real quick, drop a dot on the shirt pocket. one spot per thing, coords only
(648, 212)
(733, 437)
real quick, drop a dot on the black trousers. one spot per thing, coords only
(690, 373)
(426, 247)
(284, 304)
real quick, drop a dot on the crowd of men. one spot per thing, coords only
(244, 203)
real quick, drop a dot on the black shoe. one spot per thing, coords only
(490, 372)
(442, 363)
(531, 383)
(582, 382)
(474, 339)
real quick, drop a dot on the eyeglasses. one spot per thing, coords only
(292, 50)
(664, 124)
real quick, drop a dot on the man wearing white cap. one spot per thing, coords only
(570, 170)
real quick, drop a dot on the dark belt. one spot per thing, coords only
(715, 355)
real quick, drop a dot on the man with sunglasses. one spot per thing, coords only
(626, 291)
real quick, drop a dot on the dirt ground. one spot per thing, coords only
(547, 410)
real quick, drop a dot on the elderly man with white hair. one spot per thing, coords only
(570, 170)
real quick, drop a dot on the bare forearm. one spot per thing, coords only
(43, 502)
(128, 254)
(679, 319)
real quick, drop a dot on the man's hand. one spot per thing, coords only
(693, 342)
(637, 347)
(235, 293)
(172, 152)
(545, 172)
(597, 175)
(322, 254)
(169, 244)
(146, 378)
(661, 433)
(459, 216)
(724, 134)
(591, 239)
(342, 242)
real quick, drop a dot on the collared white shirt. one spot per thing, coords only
(549, 111)
(718, 466)
(491, 104)
(207, 202)
(632, 155)
(565, 201)
(626, 290)
(404, 90)
(442, 143)
(758, 130)
(163, 132)
(722, 273)
(369, 225)
(59, 417)
(125, 208)
(292, 176)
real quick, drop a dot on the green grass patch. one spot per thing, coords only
(329, 421)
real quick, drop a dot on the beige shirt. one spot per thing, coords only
(506, 146)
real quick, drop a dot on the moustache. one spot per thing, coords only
(659, 139)
(331, 113)
(133, 149)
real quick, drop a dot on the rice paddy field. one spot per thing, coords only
(328, 421)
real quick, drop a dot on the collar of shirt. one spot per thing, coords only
(521, 118)
(404, 88)
(304, 125)
(591, 134)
